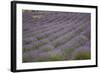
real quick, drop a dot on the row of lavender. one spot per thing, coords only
(53, 36)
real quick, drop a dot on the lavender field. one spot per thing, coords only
(55, 36)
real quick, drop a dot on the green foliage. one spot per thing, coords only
(37, 45)
(55, 57)
(33, 34)
(41, 59)
(46, 49)
(29, 49)
(27, 59)
(26, 49)
(47, 35)
(56, 44)
(39, 38)
(67, 53)
(68, 50)
(82, 56)
(42, 37)
(45, 41)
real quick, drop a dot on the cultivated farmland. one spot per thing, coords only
(55, 36)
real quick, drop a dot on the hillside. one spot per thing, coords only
(56, 36)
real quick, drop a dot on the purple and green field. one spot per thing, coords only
(55, 36)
